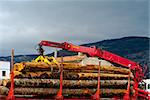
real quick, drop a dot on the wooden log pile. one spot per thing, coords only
(39, 78)
(72, 66)
(37, 69)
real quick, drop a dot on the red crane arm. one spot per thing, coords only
(96, 52)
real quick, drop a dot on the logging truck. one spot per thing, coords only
(60, 80)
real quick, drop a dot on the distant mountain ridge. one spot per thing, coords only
(134, 48)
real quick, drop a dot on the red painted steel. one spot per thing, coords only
(96, 96)
(95, 52)
(11, 91)
(127, 94)
(59, 95)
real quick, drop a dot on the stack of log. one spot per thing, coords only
(41, 79)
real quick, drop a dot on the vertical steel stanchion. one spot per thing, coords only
(11, 91)
(126, 96)
(96, 96)
(59, 95)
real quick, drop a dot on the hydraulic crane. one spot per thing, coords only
(103, 54)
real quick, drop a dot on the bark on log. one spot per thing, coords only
(67, 92)
(74, 66)
(3, 90)
(71, 75)
(95, 75)
(67, 83)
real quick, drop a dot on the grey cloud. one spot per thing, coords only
(24, 24)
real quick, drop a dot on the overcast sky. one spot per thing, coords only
(24, 23)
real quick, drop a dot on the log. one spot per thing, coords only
(74, 66)
(71, 75)
(3, 90)
(89, 76)
(35, 65)
(5, 82)
(40, 74)
(67, 83)
(67, 92)
(26, 96)
(95, 75)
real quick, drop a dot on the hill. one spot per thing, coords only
(133, 48)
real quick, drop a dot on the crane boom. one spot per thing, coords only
(96, 52)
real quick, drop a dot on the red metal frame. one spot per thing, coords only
(143, 93)
(59, 95)
(96, 96)
(11, 91)
(127, 94)
(93, 51)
